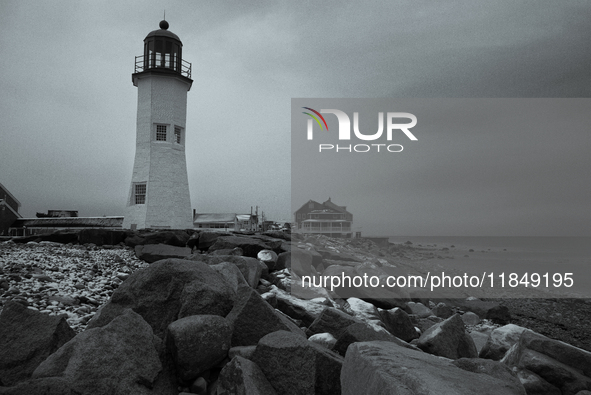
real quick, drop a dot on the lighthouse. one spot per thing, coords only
(159, 192)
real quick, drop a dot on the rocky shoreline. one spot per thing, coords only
(55, 278)
(222, 321)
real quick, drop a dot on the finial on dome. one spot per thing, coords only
(163, 25)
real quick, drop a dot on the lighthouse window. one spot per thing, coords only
(140, 193)
(151, 53)
(159, 51)
(167, 56)
(177, 134)
(160, 132)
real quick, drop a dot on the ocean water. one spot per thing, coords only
(553, 245)
(513, 255)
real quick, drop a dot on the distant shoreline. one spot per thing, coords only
(511, 254)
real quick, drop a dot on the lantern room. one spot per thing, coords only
(163, 52)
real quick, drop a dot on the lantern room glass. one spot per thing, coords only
(162, 52)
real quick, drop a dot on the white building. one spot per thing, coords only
(159, 191)
(226, 221)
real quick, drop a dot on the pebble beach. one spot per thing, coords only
(55, 279)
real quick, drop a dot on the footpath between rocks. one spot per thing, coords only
(185, 312)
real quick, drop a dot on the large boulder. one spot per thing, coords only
(243, 377)
(101, 237)
(499, 315)
(268, 257)
(380, 294)
(44, 386)
(207, 239)
(563, 366)
(250, 246)
(299, 261)
(398, 323)
(283, 260)
(133, 238)
(448, 339)
(492, 368)
(27, 338)
(325, 340)
(176, 238)
(294, 365)
(341, 289)
(287, 247)
(366, 312)
(480, 337)
(384, 368)
(470, 318)
(305, 310)
(197, 343)
(119, 358)
(442, 310)
(418, 309)
(168, 290)
(425, 323)
(362, 332)
(252, 269)
(274, 243)
(500, 341)
(155, 252)
(231, 274)
(252, 318)
(317, 260)
(332, 321)
(535, 385)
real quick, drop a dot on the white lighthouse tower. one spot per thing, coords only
(159, 193)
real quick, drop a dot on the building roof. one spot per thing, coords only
(9, 194)
(244, 217)
(308, 202)
(3, 203)
(163, 32)
(57, 213)
(342, 209)
(69, 222)
(328, 204)
(210, 218)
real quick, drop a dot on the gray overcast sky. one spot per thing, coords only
(68, 105)
(494, 167)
